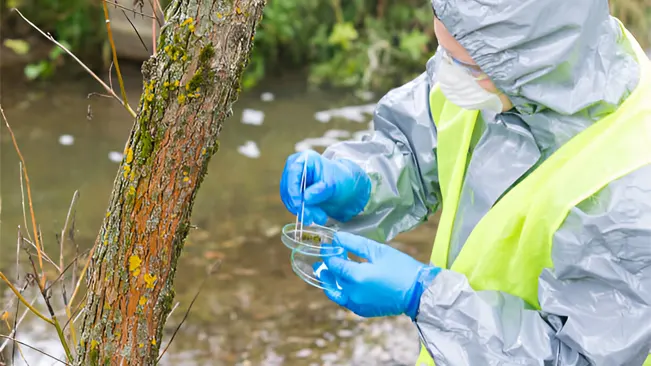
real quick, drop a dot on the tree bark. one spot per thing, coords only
(189, 89)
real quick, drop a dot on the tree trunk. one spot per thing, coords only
(189, 88)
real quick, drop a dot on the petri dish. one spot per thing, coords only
(311, 268)
(308, 251)
(309, 240)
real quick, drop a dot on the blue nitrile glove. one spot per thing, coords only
(390, 283)
(338, 188)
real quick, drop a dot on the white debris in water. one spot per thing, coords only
(250, 150)
(267, 97)
(352, 113)
(115, 156)
(337, 134)
(311, 143)
(365, 95)
(66, 140)
(328, 138)
(306, 352)
(252, 117)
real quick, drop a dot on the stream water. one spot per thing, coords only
(254, 311)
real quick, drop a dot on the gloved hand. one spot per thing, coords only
(390, 283)
(338, 189)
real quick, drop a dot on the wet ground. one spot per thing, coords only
(255, 311)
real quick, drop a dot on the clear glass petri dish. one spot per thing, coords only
(311, 240)
(312, 269)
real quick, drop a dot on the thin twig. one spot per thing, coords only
(109, 90)
(22, 199)
(45, 256)
(33, 348)
(22, 299)
(83, 273)
(16, 324)
(211, 271)
(29, 192)
(18, 245)
(130, 9)
(20, 350)
(63, 272)
(115, 54)
(153, 4)
(172, 311)
(94, 94)
(110, 74)
(65, 228)
(135, 30)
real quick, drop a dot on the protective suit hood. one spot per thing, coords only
(564, 64)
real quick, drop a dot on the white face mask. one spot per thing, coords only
(462, 89)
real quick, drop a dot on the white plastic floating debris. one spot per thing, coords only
(250, 150)
(311, 143)
(66, 140)
(337, 134)
(352, 113)
(115, 156)
(365, 95)
(252, 117)
(328, 138)
(267, 97)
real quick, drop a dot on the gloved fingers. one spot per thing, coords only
(293, 176)
(289, 171)
(318, 193)
(358, 245)
(315, 215)
(344, 269)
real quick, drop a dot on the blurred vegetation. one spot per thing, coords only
(367, 44)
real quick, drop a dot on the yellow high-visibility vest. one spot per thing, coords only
(511, 245)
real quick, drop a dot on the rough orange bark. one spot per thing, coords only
(189, 88)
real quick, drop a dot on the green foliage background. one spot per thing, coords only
(367, 44)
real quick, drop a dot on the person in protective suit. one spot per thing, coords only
(531, 130)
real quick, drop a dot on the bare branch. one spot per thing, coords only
(132, 10)
(109, 90)
(109, 32)
(29, 190)
(33, 348)
(135, 30)
(210, 272)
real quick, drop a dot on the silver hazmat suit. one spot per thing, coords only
(564, 64)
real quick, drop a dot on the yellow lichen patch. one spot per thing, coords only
(181, 98)
(153, 341)
(191, 28)
(5, 316)
(127, 170)
(238, 10)
(187, 21)
(203, 151)
(141, 345)
(149, 280)
(93, 344)
(134, 265)
(132, 191)
(219, 15)
(142, 301)
(186, 179)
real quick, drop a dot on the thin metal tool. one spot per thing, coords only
(298, 228)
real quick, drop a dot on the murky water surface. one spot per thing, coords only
(255, 311)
